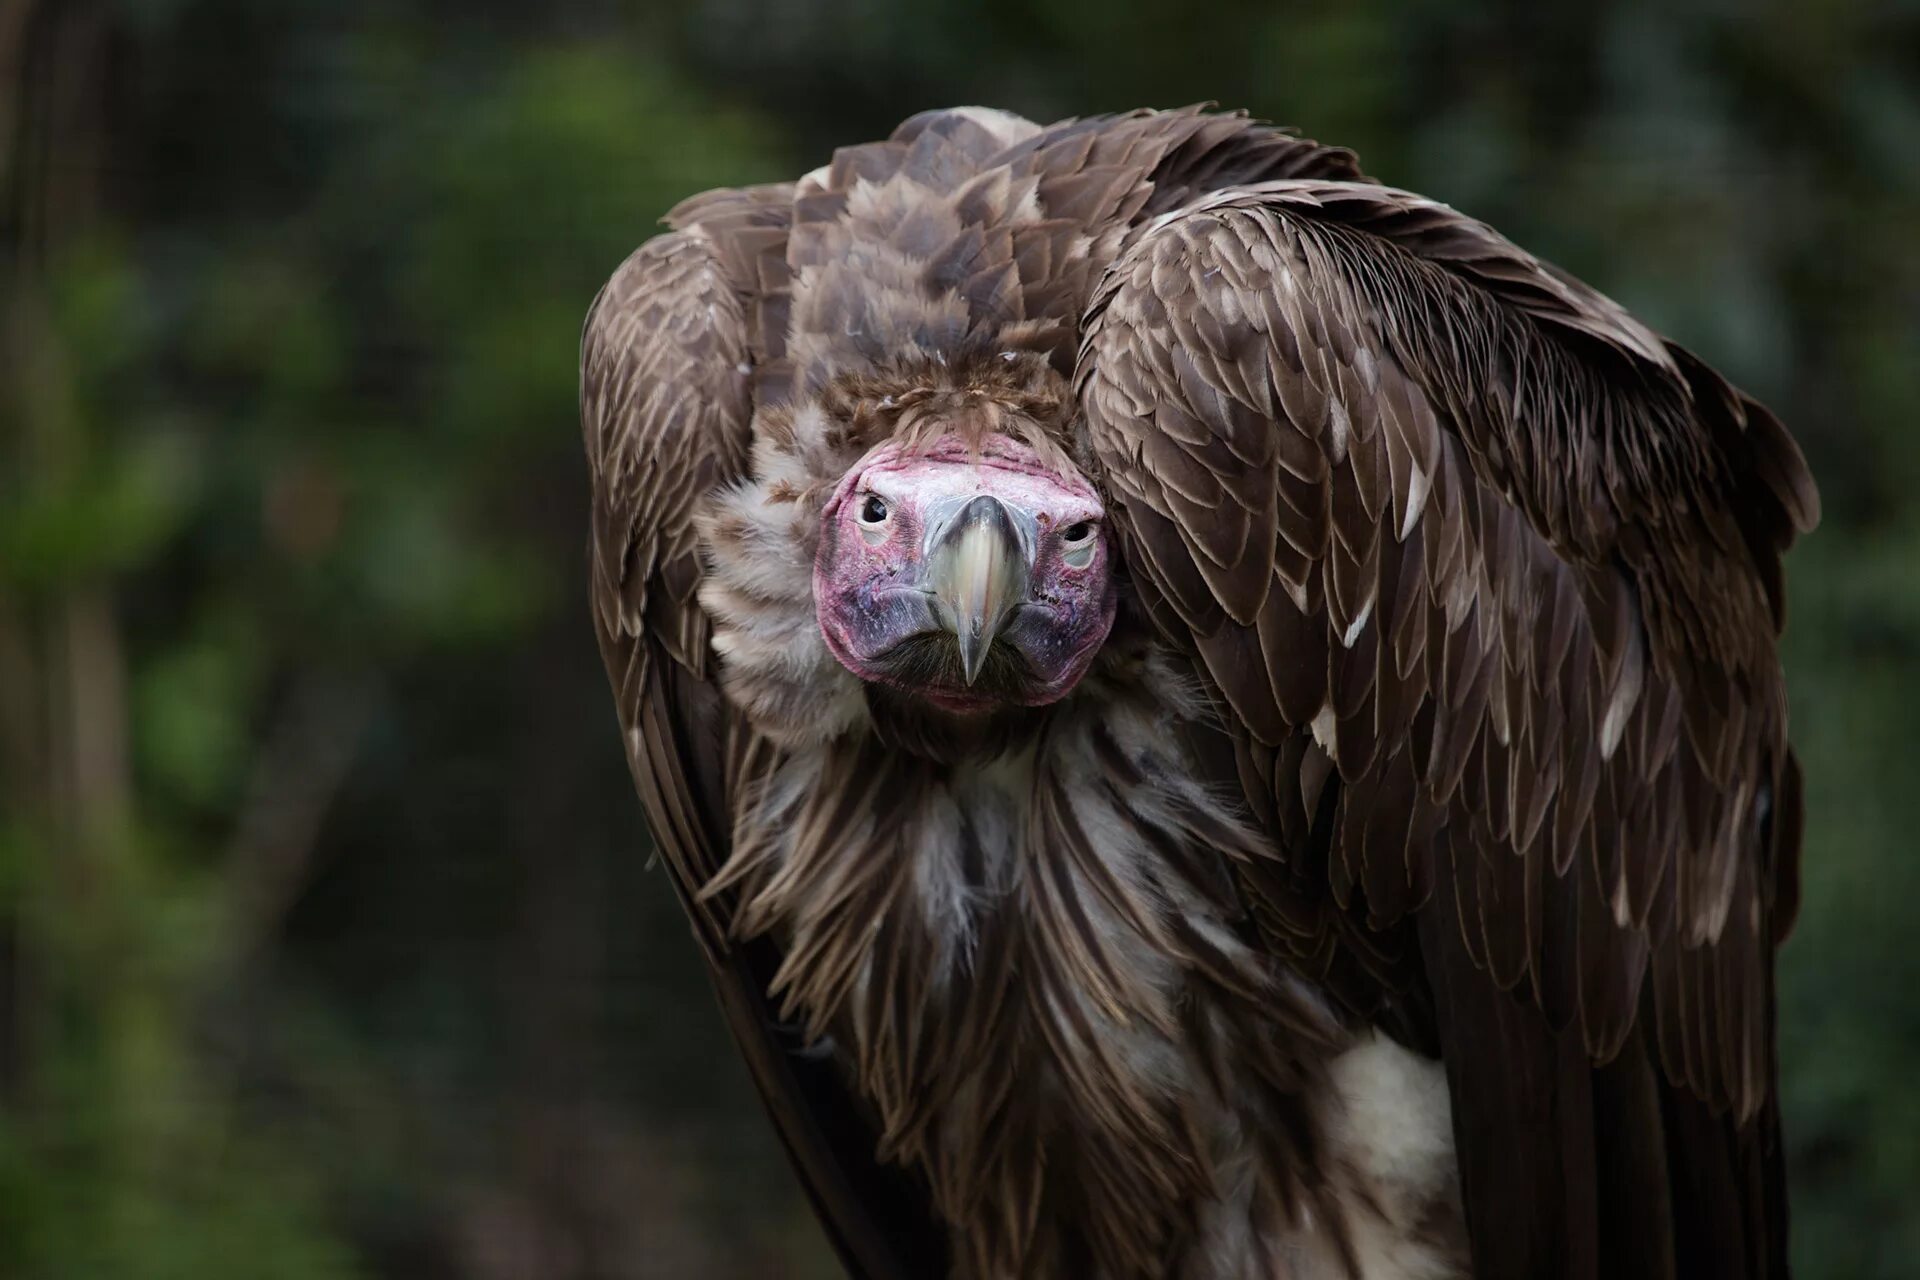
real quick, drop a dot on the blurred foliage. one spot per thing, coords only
(326, 948)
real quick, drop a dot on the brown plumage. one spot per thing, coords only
(1442, 719)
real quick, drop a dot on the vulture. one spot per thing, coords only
(1211, 717)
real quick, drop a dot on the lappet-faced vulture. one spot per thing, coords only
(1211, 717)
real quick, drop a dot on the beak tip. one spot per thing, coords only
(973, 656)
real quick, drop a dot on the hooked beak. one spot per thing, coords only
(977, 571)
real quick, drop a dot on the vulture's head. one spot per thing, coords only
(972, 573)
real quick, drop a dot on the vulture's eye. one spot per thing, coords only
(1076, 544)
(872, 519)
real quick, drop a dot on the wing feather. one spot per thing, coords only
(664, 408)
(667, 361)
(1507, 560)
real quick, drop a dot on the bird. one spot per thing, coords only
(1210, 717)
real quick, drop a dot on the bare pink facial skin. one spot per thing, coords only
(970, 577)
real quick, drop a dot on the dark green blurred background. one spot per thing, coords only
(326, 945)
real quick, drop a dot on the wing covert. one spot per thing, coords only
(666, 415)
(666, 409)
(1485, 575)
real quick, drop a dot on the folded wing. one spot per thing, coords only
(1485, 577)
(666, 411)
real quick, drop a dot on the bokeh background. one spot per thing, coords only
(327, 948)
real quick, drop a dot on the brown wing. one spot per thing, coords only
(665, 410)
(665, 407)
(1486, 578)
